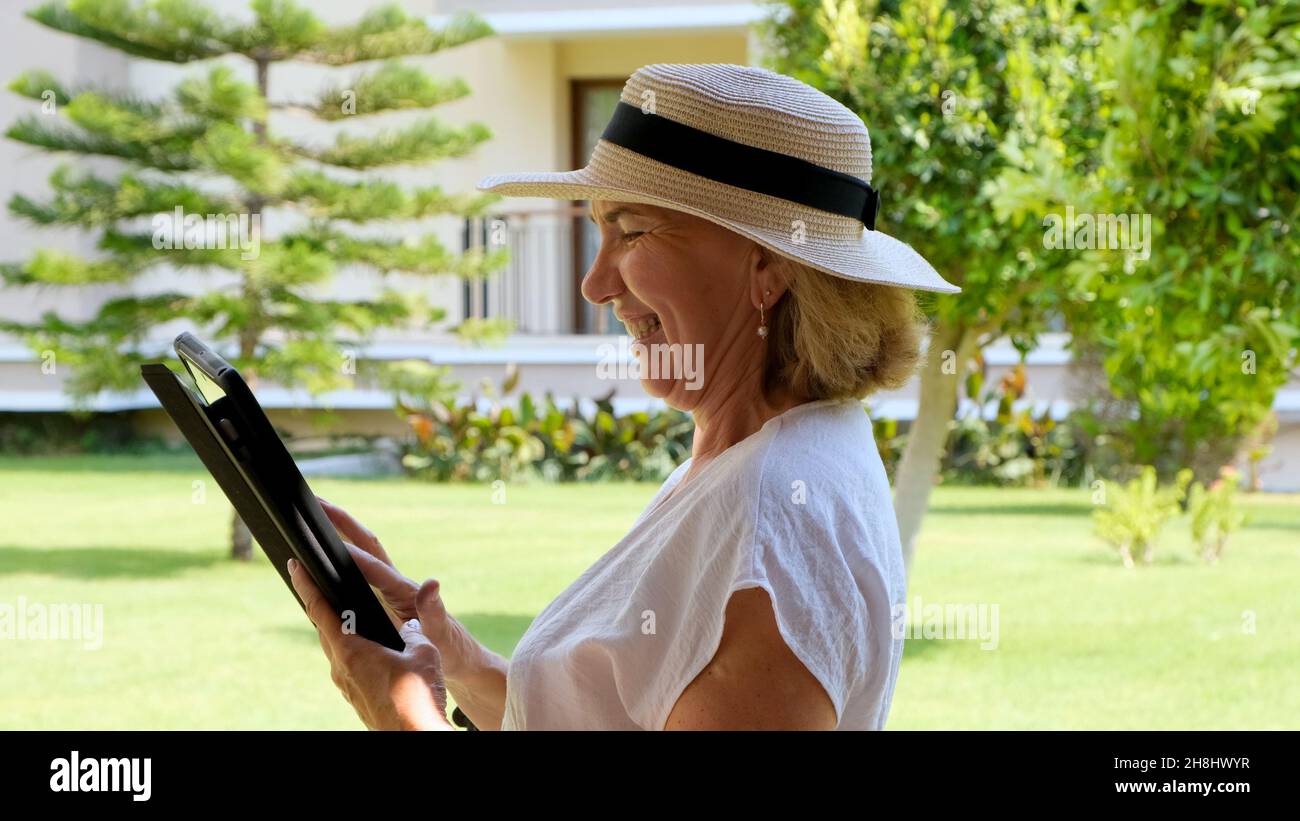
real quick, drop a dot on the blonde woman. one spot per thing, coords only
(757, 588)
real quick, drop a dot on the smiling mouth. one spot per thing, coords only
(642, 327)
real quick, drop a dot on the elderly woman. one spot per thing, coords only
(758, 587)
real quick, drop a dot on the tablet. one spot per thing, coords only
(229, 431)
(237, 444)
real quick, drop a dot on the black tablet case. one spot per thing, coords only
(192, 420)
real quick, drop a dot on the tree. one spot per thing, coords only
(952, 94)
(1202, 141)
(204, 167)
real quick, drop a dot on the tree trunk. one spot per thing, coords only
(949, 349)
(241, 541)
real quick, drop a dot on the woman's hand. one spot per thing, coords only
(398, 591)
(405, 599)
(388, 690)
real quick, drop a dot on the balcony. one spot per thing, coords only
(539, 290)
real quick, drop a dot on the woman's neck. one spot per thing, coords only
(735, 416)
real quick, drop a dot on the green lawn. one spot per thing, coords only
(194, 640)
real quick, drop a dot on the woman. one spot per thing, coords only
(757, 589)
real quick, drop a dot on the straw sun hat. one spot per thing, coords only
(754, 151)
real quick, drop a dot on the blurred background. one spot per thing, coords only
(1096, 470)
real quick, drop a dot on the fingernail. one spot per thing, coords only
(293, 566)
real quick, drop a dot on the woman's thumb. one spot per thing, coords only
(428, 604)
(412, 634)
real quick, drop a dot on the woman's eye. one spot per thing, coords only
(630, 235)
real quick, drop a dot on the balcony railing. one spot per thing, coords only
(538, 290)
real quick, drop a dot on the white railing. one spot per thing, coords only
(535, 289)
(539, 289)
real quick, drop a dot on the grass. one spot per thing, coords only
(194, 640)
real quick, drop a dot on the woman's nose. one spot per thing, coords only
(602, 282)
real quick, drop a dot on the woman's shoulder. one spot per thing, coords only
(824, 485)
(827, 434)
(824, 447)
(828, 448)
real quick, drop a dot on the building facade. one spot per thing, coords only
(545, 85)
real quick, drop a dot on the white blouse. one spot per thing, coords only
(800, 508)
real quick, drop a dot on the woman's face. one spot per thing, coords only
(682, 287)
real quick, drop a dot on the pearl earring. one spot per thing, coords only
(762, 319)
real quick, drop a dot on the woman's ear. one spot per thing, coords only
(766, 277)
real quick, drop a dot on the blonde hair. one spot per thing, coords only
(835, 338)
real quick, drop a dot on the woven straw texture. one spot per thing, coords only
(760, 108)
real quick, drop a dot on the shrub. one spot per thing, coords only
(889, 442)
(49, 433)
(1014, 447)
(465, 442)
(1215, 514)
(1135, 513)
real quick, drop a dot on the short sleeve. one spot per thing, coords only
(797, 558)
(818, 606)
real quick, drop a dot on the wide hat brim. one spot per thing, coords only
(792, 230)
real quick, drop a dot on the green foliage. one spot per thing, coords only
(423, 142)
(1177, 110)
(1012, 448)
(1015, 449)
(393, 87)
(181, 31)
(890, 442)
(491, 440)
(1215, 514)
(944, 88)
(63, 433)
(1197, 100)
(1134, 513)
(214, 128)
(81, 198)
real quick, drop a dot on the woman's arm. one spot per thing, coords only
(755, 681)
(480, 692)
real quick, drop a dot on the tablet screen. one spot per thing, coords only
(210, 390)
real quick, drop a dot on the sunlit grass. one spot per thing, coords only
(192, 639)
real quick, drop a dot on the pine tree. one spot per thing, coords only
(206, 154)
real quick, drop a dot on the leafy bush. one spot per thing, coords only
(1215, 514)
(484, 441)
(1135, 512)
(889, 442)
(464, 442)
(62, 433)
(1014, 448)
